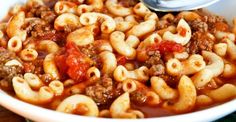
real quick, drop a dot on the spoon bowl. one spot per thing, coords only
(177, 5)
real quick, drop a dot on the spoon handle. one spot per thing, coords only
(176, 3)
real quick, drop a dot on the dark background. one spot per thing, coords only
(7, 116)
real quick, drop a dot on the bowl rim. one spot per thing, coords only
(37, 113)
(34, 112)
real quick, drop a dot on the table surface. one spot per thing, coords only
(7, 116)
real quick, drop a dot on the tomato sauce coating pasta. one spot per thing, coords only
(116, 58)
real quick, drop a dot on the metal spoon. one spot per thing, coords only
(177, 5)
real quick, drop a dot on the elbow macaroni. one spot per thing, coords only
(108, 25)
(104, 46)
(65, 7)
(109, 62)
(141, 10)
(49, 66)
(14, 27)
(202, 78)
(97, 5)
(66, 20)
(77, 102)
(116, 9)
(193, 64)
(13, 62)
(174, 67)
(83, 9)
(231, 49)
(117, 40)
(93, 72)
(81, 37)
(33, 80)
(183, 36)
(24, 92)
(120, 108)
(129, 85)
(189, 16)
(116, 58)
(14, 44)
(28, 54)
(223, 93)
(221, 35)
(57, 87)
(121, 73)
(216, 64)
(146, 27)
(220, 49)
(162, 89)
(153, 98)
(123, 25)
(141, 50)
(32, 2)
(48, 46)
(132, 41)
(229, 70)
(203, 100)
(187, 96)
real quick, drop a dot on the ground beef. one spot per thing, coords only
(69, 28)
(212, 20)
(4, 40)
(42, 30)
(30, 25)
(200, 41)
(6, 55)
(39, 28)
(74, 1)
(156, 70)
(128, 3)
(139, 96)
(35, 67)
(43, 26)
(50, 3)
(198, 25)
(46, 78)
(43, 12)
(162, 24)
(104, 91)
(171, 81)
(155, 58)
(89, 50)
(8, 72)
(48, 16)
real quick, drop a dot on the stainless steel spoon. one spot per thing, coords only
(177, 5)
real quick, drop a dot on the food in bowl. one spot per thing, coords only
(116, 59)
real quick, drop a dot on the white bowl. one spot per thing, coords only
(225, 8)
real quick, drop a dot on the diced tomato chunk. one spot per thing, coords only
(71, 48)
(166, 47)
(72, 60)
(220, 26)
(182, 31)
(60, 61)
(73, 63)
(78, 73)
(121, 60)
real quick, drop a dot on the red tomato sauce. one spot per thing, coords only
(166, 47)
(73, 63)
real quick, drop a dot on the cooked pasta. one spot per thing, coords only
(116, 58)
